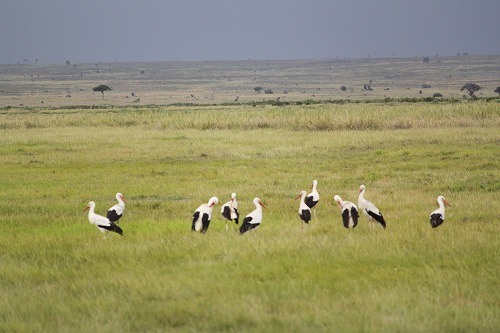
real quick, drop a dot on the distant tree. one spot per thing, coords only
(268, 91)
(68, 63)
(426, 59)
(435, 95)
(101, 88)
(343, 88)
(258, 89)
(497, 90)
(471, 89)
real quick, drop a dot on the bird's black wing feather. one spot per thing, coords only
(310, 202)
(236, 220)
(113, 216)
(205, 221)
(196, 215)
(246, 225)
(345, 217)
(378, 218)
(436, 220)
(355, 216)
(306, 215)
(112, 227)
(226, 213)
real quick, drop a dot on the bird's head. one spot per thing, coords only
(213, 201)
(120, 196)
(257, 201)
(443, 199)
(302, 193)
(89, 205)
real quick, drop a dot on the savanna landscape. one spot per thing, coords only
(170, 135)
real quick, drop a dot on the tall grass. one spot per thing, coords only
(299, 118)
(58, 274)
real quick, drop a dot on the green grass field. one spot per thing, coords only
(58, 274)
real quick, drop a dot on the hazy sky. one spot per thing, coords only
(54, 31)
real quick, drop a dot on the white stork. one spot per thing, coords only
(304, 210)
(254, 219)
(350, 213)
(115, 212)
(203, 215)
(313, 197)
(370, 210)
(102, 223)
(229, 210)
(437, 216)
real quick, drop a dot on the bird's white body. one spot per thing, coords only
(349, 212)
(304, 210)
(102, 223)
(203, 215)
(116, 212)
(437, 216)
(369, 209)
(229, 210)
(253, 219)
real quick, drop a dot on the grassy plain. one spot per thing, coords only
(57, 273)
(217, 82)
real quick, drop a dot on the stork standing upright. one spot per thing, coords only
(229, 210)
(370, 210)
(304, 210)
(102, 223)
(313, 197)
(349, 212)
(116, 212)
(437, 216)
(203, 215)
(253, 219)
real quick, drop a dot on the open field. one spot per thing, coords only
(57, 273)
(165, 83)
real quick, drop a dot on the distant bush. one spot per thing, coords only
(497, 90)
(425, 86)
(435, 95)
(268, 91)
(258, 89)
(343, 88)
(426, 59)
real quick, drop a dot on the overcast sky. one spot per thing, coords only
(54, 31)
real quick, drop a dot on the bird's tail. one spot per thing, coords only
(117, 229)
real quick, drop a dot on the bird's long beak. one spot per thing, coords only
(123, 198)
(260, 203)
(446, 202)
(86, 208)
(298, 196)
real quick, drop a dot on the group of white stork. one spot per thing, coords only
(229, 211)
